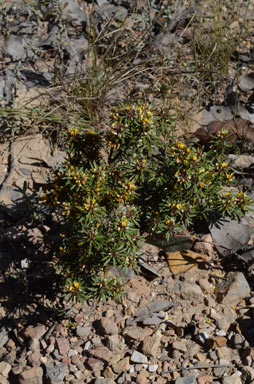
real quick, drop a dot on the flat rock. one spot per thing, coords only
(101, 352)
(234, 289)
(5, 368)
(31, 376)
(57, 372)
(122, 365)
(35, 332)
(186, 380)
(137, 333)
(233, 379)
(150, 345)
(102, 380)
(139, 358)
(108, 326)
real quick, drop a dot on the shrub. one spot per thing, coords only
(118, 186)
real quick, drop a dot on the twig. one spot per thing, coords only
(198, 367)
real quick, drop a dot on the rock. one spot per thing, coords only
(188, 291)
(133, 296)
(108, 326)
(138, 357)
(73, 12)
(34, 358)
(122, 365)
(31, 376)
(35, 332)
(179, 346)
(235, 289)
(238, 340)
(204, 245)
(205, 379)
(247, 374)
(186, 380)
(100, 352)
(83, 332)
(63, 345)
(14, 47)
(57, 372)
(153, 367)
(224, 353)
(3, 380)
(94, 364)
(137, 333)
(233, 379)
(3, 337)
(34, 344)
(150, 345)
(113, 342)
(5, 368)
(101, 380)
(141, 379)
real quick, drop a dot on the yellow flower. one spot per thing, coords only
(194, 158)
(124, 223)
(76, 284)
(188, 150)
(181, 145)
(71, 289)
(224, 164)
(202, 185)
(178, 206)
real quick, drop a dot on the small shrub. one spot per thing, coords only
(118, 186)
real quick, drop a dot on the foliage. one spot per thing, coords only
(117, 186)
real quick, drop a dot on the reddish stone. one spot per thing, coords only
(63, 345)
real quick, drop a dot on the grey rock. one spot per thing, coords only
(14, 47)
(234, 290)
(57, 372)
(102, 380)
(187, 290)
(186, 380)
(83, 332)
(3, 337)
(155, 306)
(107, 11)
(138, 357)
(233, 379)
(125, 273)
(73, 12)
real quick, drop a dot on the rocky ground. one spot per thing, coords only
(185, 318)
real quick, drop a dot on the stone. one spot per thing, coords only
(186, 380)
(83, 332)
(100, 352)
(236, 289)
(141, 379)
(108, 326)
(57, 372)
(94, 364)
(233, 379)
(150, 345)
(179, 346)
(34, 358)
(248, 374)
(14, 47)
(3, 337)
(108, 373)
(122, 365)
(204, 245)
(153, 368)
(31, 376)
(238, 340)
(138, 357)
(133, 296)
(3, 380)
(34, 344)
(113, 342)
(205, 379)
(5, 368)
(137, 333)
(73, 12)
(63, 345)
(224, 353)
(35, 332)
(102, 380)
(188, 291)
